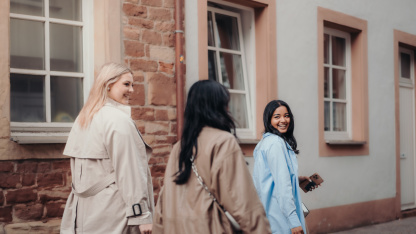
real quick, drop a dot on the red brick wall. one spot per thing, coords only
(33, 193)
(32, 190)
(148, 39)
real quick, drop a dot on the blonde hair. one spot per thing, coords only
(109, 74)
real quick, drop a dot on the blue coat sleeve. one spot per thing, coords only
(276, 159)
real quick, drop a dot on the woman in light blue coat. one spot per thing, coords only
(275, 172)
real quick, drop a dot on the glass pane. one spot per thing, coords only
(211, 41)
(326, 82)
(227, 32)
(326, 116)
(338, 51)
(66, 48)
(63, 108)
(238, 109)
(27, 98)
(212, 66)
(27, 44)
(340, 117)
(339, 88)
(232, 71)
(326, 48)
(405, 65)
(27, 7)
(65, 9)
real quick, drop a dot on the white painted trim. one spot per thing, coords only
(330, 135)
(51, 132)
(249, 132)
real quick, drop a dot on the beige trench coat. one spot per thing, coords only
(111, 147)
(189, 209)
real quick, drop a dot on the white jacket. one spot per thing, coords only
(111, 154)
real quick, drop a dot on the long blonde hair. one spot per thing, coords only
(109, 74)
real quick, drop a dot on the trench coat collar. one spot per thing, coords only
(125, 108)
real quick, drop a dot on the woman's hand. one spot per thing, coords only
(297, 230)
(146, 228)
(303, 178)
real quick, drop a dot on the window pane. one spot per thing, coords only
(339, 88)
(338, 51)
(27, 7)
(326, 116)
(27, 44)
(232, 71)
(238, 109)
(326, 82)
(212, 66)
(326, 48)
(27, 98)
(64, 109)
(66, 48)
(227, 32)
(405, 65)
(340, 117)
(211, 41)
(65, 9)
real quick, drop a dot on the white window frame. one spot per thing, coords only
(246, 29)
(335, 135)
(52, 132)
(406, 82)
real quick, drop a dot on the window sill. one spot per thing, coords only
(345, 142)
(248, 141)
(39, 133)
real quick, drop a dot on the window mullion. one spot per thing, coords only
(217, 53)
(47, 64)
(331, 117)
(245, 79)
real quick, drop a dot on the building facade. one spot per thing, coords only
(346, 68)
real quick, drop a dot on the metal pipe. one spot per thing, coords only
(179, 59)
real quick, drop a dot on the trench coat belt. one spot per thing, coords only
(97, 187)
(102, 184)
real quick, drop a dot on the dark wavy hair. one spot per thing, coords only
(267, 117)
(207, 105)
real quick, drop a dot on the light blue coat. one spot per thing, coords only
(276, 180)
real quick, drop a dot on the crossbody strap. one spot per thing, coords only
(233, 222)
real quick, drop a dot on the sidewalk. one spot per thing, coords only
(400, 226)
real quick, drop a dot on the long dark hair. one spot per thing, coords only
(207, 105)
(267, 116)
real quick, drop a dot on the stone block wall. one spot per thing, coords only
(148, 38)
(33, 194)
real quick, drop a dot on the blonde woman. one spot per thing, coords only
(112, 188)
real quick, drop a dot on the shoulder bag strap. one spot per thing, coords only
(233, 222)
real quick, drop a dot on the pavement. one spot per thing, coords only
(400, 226)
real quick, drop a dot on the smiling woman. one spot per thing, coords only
(120, 91)
(275, 172)
(110, 173)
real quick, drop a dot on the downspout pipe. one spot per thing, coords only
(179, 60)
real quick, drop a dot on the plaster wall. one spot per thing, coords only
(348, 179)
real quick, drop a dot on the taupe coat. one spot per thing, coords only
(110, 145)
(189, 209)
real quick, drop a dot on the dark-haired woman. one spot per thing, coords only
(184, 206)
(275, 171)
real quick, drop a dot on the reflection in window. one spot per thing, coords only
(46, 60)
(336, 97)
(65, 109)
(405, 65)
(27, 102)
(226, 61)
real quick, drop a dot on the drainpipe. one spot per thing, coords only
(179, 59)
